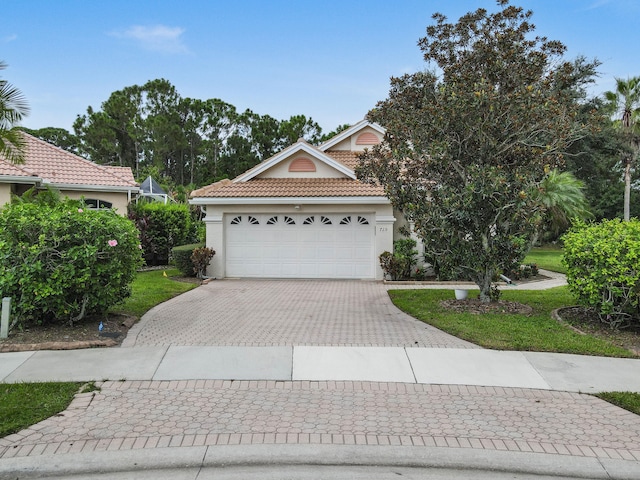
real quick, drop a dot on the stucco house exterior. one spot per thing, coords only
(73, 176)
(301, 214)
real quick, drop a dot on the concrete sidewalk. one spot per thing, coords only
(547, 371)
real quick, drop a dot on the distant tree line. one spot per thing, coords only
(183, 141)
(186, 143)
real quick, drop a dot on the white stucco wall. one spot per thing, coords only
(216, 216)
(119, 200)
(5, 193)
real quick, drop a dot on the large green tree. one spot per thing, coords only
(58, 137)
(13, 107)
(186, 140)
(469, 142)
(625, 101)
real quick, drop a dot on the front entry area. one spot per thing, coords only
(300, 245)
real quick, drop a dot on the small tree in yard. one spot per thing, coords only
(468, 145)
(62, 262)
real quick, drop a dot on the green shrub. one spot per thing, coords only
(603, 268)
(182, 258)
(399, 264)
(200, 259)
(64, 262)
(162, 227)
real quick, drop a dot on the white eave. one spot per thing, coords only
(349, 132)
(19, 179)
(368, 200)
(301, 146)
(94, 188)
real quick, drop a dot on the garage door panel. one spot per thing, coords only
(322, 248)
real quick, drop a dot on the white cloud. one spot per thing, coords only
(158, 38)
(9, 38)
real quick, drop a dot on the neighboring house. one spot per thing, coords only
(71, 175)
(301, 214)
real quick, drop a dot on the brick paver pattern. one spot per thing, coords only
(287, 312)
(153, 414)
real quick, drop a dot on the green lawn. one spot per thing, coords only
(25, 404)
(150, 289)
(548, 257)
(538, 332)
(627, 400)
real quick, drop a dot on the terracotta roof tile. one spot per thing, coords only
(7, 168)
(290, 187)
(347, 158)
(123, 172)
(58, 166)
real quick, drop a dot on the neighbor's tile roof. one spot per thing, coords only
(58, 166)
(7, 168)
(290, 187)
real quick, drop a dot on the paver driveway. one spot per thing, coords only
(286, 312)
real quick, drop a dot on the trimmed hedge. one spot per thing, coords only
(162, 227)
(182, 258)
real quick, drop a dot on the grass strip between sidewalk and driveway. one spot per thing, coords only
(25, 404)
(537, 332)
(627, 400)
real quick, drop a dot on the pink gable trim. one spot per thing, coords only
(367, 138)
(302, 164)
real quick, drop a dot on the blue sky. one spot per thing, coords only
(330, 60)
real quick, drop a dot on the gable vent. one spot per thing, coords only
(367, 138)
(302, 164)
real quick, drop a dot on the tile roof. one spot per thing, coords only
(58, 166)
(346, 157)
(290, 187)
(7, 168)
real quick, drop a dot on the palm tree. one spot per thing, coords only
(562, 196)
(13, 107)
(626, 102)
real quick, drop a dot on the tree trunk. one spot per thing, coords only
(627, 189)
(484, 281)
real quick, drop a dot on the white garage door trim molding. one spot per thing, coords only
(300, 245)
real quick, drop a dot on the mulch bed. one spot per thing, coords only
(586, 321)
(476, 307)
(83, 334)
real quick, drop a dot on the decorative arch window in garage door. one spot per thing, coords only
(300, 245)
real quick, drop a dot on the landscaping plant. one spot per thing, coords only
(162, 227)
(603, 268)
(399, 264)
(182, 258)
(61, 261)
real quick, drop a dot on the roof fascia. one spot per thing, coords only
(289, 200)
(19, 179)
(97, 188)
(299, 146)
(349, 132)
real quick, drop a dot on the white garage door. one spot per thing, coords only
(300, 245)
